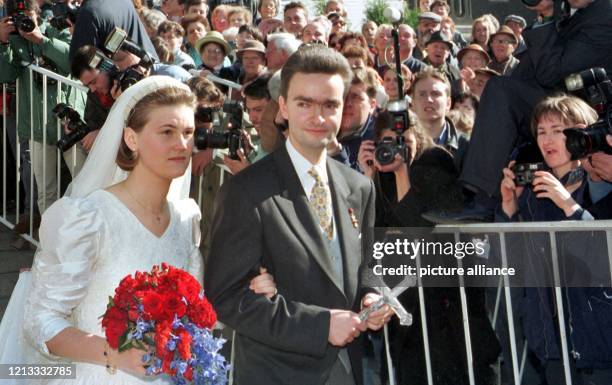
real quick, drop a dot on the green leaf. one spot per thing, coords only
(124, 343)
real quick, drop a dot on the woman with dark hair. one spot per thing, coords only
(560, 192)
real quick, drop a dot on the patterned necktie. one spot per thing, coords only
(320, 199)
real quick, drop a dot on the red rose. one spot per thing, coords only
(188, 373)
(189, 288)
(115, 324)
(184, 345)
(173, 305)
(153, 305)
(202, 314)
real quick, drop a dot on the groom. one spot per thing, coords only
(300, 215)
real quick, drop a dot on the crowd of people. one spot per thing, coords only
(274, 120)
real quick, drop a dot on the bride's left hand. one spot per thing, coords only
(264, 284)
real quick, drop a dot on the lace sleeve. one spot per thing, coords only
(70, 235)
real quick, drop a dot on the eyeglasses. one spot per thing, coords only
(503, 41)
(213, 51)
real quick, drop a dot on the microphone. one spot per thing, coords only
(394, 15)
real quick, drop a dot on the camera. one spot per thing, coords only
(78, 129)
(524, 172)
(388, 147)
(125, 78)
(118, 40)
(22, 21)
(228, 136)
(595, 86)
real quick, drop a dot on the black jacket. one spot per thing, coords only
(577, 43)
(97, 19)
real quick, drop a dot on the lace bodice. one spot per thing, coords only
(87, 246)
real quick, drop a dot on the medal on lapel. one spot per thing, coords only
(354, 220)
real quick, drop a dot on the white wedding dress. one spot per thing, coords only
(88, 245)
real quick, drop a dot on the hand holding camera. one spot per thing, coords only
(510, 190)
(7, 27)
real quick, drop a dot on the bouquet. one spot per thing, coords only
(165, 313)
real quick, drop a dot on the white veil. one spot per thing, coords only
(100, 169)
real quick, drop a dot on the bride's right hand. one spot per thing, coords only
(264, 284)
(129, 361)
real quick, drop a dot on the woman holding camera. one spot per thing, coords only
(560, 192)
(426, 179)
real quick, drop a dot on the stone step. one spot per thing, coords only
(3, 303)
(7, 283)
(13, 261)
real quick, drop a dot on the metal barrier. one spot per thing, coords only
(24, 158)
(501, 229)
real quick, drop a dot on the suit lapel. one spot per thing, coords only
(295, 207)
(347, 234)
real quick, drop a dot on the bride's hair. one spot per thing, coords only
(139, 117)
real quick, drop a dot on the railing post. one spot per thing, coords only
(509, 312)
(466, 320)
(423, 320)
(560, 312)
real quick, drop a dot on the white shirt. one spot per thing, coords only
(302, 166)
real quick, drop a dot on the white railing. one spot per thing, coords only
(11, 218)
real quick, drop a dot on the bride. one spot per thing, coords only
(127, 210)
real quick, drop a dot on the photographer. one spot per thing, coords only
(556, 50)
(97, 19)
(48, 47)
(424, 180)
(357, 122)
(560, 193)
(103, 91)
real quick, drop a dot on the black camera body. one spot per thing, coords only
(19, 18)
(229, 137)
(524, 173)
(388, 147)
(596, 88)
(78, 129)
(125, 78)
(23, 22)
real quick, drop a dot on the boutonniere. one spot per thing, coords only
(354, 220)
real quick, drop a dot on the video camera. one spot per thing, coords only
(596, 88)
(228, 136)
(118, 40)
(19, 18)
(125, 78)
(78, 129)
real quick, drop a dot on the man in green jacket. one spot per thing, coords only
(49, 48)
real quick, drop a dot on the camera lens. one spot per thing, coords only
(384, 154)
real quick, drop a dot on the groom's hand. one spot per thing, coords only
(378, 318)
(344, 327)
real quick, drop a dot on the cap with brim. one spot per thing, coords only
(486, 71)
(439, 37)
(212, 37)
(430, 16)
(251, 45)
(505, 30)
(517, 19)
(473, 48)
(439, 2)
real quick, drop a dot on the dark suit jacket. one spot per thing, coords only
(263, 218)
(578, 43)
